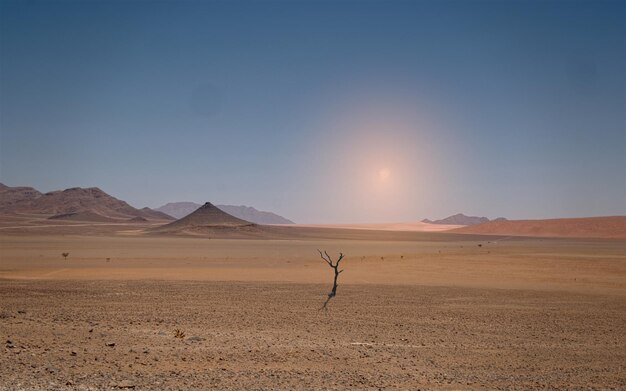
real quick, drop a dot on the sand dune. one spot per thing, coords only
(612, 227)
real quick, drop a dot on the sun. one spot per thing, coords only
(383, 174)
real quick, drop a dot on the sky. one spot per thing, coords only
(323, 112)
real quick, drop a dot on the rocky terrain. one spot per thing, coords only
(89, 204)
(96, 335)
(432, 311)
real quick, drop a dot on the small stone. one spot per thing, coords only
(125, 384)
(111, 344)
(52, 370)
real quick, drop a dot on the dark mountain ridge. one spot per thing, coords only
(85, 203)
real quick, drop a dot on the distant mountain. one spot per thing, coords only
(12, 198)
(256, 216)
(178, 210)
(206, 216)
(461, 219)
(153, 214)
(182, 209)
(86, 204)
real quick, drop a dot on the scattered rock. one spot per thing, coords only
(110, 344)
(195, 338)
(126, 384)
(52, 370)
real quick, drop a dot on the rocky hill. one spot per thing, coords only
(207, 217)
(248, 213)
(83, 203)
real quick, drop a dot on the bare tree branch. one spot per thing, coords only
(326, 259)
(335, 267)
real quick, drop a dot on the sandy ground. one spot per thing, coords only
(548, 264)
(513, 313)
(415, 226)
(613, 227)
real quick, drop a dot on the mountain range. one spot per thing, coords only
(76, 203)
(93, 204)
(461, 219)
(247, 213)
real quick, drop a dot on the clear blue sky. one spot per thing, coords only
(321, 111)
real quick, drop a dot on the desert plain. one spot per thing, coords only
(414, 310)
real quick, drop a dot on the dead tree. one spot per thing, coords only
(335, 267)
(65, 255)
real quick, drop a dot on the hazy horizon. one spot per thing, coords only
(321, 112)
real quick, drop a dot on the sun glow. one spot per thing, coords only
(383, 174)
(382, 163)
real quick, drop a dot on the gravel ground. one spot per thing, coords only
(96, 335)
